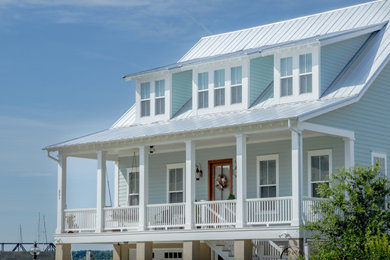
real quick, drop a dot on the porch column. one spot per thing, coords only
(63, 252)
(241, 180)
(243, 249)
(144, 251)
(190, 184)
(61, 194)
(191, 250)
(101, 190)
(143, 186)
(296, 177)
(349, 152)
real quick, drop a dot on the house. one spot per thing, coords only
(222, 152)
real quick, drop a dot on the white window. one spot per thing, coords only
(159, 97)
(286, 77)
(305, 73)
(320, 168)
(133, 187)
(267, 176)
(203, 90)
(145, 99)
(219, 87)
(236, 85)
(175, 183)
(380, 159)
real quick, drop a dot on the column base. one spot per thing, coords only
(144, 251)
(63, 252)
(191, 250)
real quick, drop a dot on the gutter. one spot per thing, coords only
(52, 157)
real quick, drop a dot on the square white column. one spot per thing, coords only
(101, 190)
(190, 184)
(143, 186)
(349, 152)
(61, 194)
(241, 180)
(297, 177)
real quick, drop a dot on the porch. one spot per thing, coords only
(195, 203)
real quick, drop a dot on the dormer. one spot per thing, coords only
(297, 74)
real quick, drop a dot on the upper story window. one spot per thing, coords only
(305, 73)
(219, 87)
(286, 77)
(145, 99)
(236, 85)
(203, 90)
(159, 97)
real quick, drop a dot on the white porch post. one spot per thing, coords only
(101, 190)
(190, 184)
(241, 180)
(297, 177)
(349, 152)
(143, 186)
(61, 195)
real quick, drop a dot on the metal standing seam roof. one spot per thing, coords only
(291, 30)
(349, 85)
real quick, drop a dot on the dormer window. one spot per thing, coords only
(236, 85)
(286, 77)
(219, 87)
(203, 90)
(305, 73)
(159, 97)
(145, 99)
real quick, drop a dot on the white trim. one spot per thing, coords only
(116, 184)
(128, 170)
(267, 158)
(380, 155)
(317, 153)
(326, 130)
(177, 166)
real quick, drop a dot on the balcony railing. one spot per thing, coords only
(80, 220)
(207, 214)
(166, 215)
(121, 218)
(215, 213)
(268, 211)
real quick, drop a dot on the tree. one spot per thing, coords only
(354, 218)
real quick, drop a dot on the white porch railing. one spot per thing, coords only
(215, 213)
(121, 218)
(166, 215)
(80, 219)
(308, 210)
(268, 210)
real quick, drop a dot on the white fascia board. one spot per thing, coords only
(273, 233)
(326, 130)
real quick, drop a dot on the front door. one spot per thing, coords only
(220, 179)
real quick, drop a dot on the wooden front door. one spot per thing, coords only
(220, 170)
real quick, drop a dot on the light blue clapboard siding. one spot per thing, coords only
(158, 164)
(181, 90)
(334, 57)
(124, 163)
(369, 119)
(261, 75)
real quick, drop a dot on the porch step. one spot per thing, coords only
(222, 248)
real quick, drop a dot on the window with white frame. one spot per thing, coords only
(305, 73)
(236, 85)
(133, 188)
(203, 90)
(159, 97)
(320, 168)
(380, 159)
(286, 76)
(175, 183)
(145, 99)
(219, 87)
(267, 175)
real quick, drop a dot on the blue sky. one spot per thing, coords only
(61, 63)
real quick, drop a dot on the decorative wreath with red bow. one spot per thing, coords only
(221, 182)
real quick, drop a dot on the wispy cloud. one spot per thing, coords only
(75, 2)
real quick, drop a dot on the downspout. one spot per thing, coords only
(52, 157)
(302, 218)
